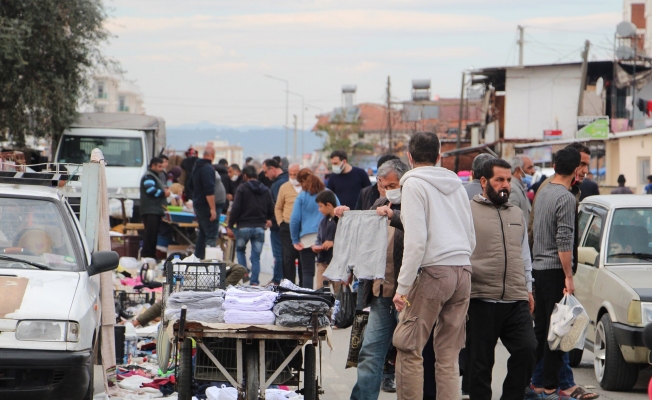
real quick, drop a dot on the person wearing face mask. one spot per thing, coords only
(287, 194)
(370, 194)
(235, 177)
(346, 181)
(501, 287)
(522, 169)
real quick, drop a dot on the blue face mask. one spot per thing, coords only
(527, 179)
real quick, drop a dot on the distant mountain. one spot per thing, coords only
(255, 140)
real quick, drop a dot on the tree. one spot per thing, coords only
(338, 133)
(48, 50)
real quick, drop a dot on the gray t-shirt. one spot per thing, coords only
(554, 226)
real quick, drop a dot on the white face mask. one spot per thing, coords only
(294, 182)
(337, 169)
(234, 178)
(394, 195)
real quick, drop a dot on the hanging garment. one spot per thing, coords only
(360, 247)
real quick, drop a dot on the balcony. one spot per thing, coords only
(103, 95)
(123, 109)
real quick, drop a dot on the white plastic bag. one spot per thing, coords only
(568, 325)
(115, 208)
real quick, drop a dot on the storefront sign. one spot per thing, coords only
(592, 127)
(551, 134)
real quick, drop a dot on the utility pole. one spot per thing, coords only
(585, 66)
(389, 117)
(294, 147)
(520, 42)
(287, 108)
(459, 125)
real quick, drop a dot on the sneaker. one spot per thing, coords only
(388, 385)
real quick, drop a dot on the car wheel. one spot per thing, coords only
(611, 370)
(575, 357)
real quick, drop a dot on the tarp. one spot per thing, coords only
(124, 121)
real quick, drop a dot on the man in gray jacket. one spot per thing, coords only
(501, 288)
(522, 166)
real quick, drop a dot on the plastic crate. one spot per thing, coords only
(129, 299)
(180, 217)
(224, 349)
(198, 277)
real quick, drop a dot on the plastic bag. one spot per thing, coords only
(346, 313)
(568, 324)
(357, 336)
(301, 308)
(290, 320)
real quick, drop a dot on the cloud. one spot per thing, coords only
(364, 66)
(580, 22)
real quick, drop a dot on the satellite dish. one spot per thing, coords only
(599, 86)
(624, 53)
(626, 29)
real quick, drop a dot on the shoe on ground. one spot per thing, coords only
(465, 395)
(388, 385)
(556, 395)
(245, 278)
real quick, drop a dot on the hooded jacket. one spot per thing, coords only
(437, 222)
(252, 206)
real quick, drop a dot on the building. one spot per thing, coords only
(234, 154)
(113, 95)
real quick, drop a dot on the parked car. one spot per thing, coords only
(614, 284)
(49, 286)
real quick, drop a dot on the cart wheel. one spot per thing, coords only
(309, 373)
(185, 371)
(251, 370)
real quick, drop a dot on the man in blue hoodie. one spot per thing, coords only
(252, 212)
(202, 186)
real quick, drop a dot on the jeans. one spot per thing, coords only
(377, 339)
(566, 379)
(277, 250)
(257, 238)
(512, 324)
(549, 285)
(208, 229)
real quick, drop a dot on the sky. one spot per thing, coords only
(206, 60)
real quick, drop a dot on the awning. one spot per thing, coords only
(481, 148)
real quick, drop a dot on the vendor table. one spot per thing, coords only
(177, 225)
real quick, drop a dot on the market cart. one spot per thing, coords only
(250, 357)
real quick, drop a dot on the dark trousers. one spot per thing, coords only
(512, 324)
(290, 254)
(307, 266)
(152, 223)
(429, 383)
(549, 290)
(208, 229)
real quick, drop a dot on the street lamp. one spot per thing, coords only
(302, 124)
(287, 92)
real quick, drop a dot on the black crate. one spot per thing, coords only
(197, 277)
(128, 299)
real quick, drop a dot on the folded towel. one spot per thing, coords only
(296, 307)
(235, 292)
(196, 299)
(201, 315)
(249, 317)
(260, 303)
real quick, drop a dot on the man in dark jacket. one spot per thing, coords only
(235, 174)
(153, 197)
(252, 212)
(370, 194)
(222, 168)
(274, 172)
(187, 165)
(203, 188)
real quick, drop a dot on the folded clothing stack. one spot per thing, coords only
(201, 306)
(243, 307)
(292, 313)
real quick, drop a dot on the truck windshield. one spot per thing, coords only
(629, 237)
(118, 151)
(33, 230)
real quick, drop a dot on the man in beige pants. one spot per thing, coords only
(434, 284)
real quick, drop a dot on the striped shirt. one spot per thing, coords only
(554, 226)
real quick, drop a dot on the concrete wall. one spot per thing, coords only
(624, 156)
(541, 98)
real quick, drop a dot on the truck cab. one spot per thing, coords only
(49, 296)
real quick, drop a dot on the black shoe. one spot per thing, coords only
(388, 385)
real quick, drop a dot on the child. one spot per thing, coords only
(327, 202)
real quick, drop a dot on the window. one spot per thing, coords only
(594, 234)
(101, 94)
(643, 170)
(629, 236)
(583, 220)
(33, 230)
(122, 104)
(118, 152)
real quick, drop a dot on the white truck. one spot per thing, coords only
(49, 291)
(128, 142)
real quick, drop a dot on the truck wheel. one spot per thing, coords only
(575, 357)
(251, 369)
(184, 385)
(309, 373)
(611, 370)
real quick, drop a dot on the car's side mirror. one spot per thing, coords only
(588, 256)
(103, 261)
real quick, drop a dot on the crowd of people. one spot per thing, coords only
(467, 264)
